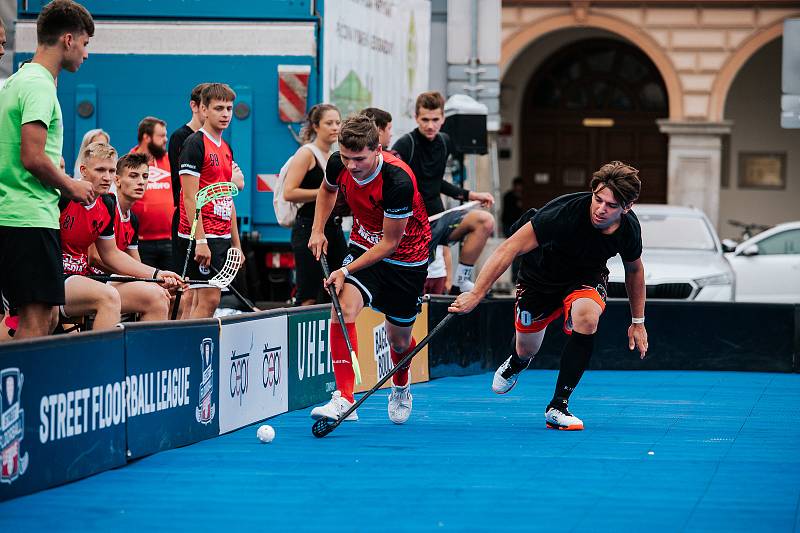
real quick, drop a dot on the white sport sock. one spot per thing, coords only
(463, 275)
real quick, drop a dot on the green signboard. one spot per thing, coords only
(311, 377)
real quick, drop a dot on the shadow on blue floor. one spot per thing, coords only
(725, 458)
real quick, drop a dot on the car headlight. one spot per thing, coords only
(725, 278)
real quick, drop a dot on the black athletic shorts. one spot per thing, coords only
(535, 308)
(394, 290)
(442, 227)
(219, 253)
(31, 267)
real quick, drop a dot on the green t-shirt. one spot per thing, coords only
(29, 95)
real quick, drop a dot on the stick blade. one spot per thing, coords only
(322, 427)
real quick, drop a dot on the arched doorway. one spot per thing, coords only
(593, 101)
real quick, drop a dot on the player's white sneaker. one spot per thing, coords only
(400, 400)
(335, 408)
(561, 418)
(506, 377)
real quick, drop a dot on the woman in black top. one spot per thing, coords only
(303, 180)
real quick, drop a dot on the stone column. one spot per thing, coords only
(694, 164)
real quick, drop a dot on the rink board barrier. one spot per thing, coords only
(76, 405)
(747, 337)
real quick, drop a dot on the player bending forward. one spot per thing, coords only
(387, 265)
(564, 249)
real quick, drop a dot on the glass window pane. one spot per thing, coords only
(547, 94)
(601, 61)
(675, 232)
(630, 69)
(577, 98)
(652, 98)
(784, 243)
(619, 100)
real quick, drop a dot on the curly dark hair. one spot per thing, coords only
(622, 179)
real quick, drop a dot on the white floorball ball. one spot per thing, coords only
(265, 433)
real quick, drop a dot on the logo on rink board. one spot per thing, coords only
(12, 430)
(383, 358)
(206, 410)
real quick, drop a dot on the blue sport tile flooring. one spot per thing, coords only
(724, 458)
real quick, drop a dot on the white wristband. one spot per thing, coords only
(201, 241)
(635, 320)
(345, 271)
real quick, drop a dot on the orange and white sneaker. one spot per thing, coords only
(560, 418)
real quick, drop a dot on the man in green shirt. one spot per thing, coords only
(31, 138)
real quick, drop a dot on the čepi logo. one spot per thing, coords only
(239, 378)
(204, 413)
(271, 368)
(12, 429)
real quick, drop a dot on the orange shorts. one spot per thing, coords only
(534, 311)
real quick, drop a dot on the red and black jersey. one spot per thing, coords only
(126, 230)
(126, 233)
(81, 225)
(211, 160)
(156, 207)
(390, 192)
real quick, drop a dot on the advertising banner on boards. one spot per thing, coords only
(253, 370)
(173, 369)
(311, 377)
(63, 410)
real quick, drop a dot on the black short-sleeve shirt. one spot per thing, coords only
(571, 248)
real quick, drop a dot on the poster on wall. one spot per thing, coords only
(253, 371)
(376, 55)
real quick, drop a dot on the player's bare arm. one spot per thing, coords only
(634, 284)
(522, 241)
(189, 187)
(237, 176)
(35, 161)
(326, 200)
(119, 262)
(486, 199)
(235, 241)
(302, 161)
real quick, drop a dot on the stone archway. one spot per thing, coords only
(517, 42)
(592, 101)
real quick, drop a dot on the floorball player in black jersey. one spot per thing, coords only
(564, 248)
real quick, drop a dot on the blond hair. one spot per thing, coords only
(98, 150)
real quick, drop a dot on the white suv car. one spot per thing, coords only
(682, 255)
(767, 266)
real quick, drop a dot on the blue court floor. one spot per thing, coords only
(725, 458)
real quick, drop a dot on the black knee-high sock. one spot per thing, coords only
(574, 360)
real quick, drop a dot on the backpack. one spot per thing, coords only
(285, 211)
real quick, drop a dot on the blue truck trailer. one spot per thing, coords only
(146, 56)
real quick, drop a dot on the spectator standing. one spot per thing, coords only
(426, 150)
(205, 159)
(31, 141)
(383, 121)
(156, 208)
(303, 180)
(92, 136)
